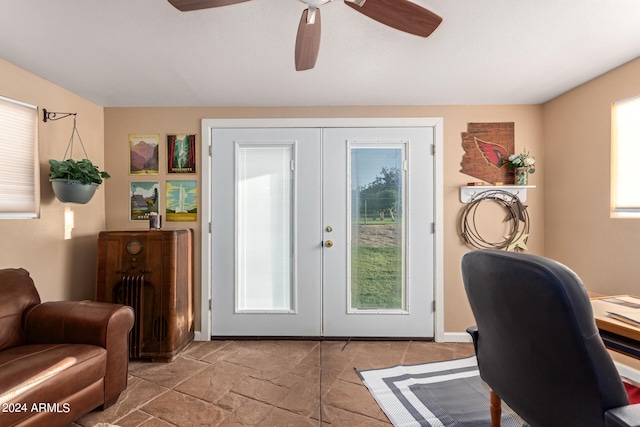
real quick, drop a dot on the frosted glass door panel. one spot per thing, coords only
(264, 228)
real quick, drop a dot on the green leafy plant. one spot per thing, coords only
(82, 170)
(522, 160)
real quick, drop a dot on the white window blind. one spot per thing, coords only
(19, 176)
(626, 147)
(265, 183)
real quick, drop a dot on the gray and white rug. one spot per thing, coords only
(440, 394)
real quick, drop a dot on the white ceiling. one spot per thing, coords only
(147, 53)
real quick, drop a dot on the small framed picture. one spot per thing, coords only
(182, 201)
(143, 154)
(145, 198)
(181, 153)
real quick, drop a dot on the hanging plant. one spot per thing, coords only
(75, 181)
(82, 171)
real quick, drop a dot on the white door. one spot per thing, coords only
(293, 251)
(378, 213)
(266, 234)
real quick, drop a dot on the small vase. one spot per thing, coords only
(522, 176)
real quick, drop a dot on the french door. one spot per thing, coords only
(378, 202)
(322, 232)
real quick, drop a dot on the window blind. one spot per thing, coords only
(19, 175)
(265, 223)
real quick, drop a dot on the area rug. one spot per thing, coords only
(439, 394)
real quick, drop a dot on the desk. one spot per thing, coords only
(618, 336)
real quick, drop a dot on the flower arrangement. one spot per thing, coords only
(522, 160)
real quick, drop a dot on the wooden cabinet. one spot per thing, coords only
(152, 271)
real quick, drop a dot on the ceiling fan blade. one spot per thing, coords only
(308, 39)
(402, 15)
(187, 5)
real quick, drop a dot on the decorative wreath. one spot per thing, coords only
(517, 216)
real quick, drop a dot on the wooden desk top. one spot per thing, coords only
(602, 305)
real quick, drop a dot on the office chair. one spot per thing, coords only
(537, 344)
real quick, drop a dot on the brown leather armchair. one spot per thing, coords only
(58, 360)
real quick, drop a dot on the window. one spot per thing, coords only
(626, 152)
(265, 227)
(377, 178)
(19, 175)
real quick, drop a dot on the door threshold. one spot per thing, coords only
(314, 338)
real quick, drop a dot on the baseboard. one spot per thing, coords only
(445, 337)
(199, 337)
(455, 337)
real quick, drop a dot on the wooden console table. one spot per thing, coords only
(619, 336)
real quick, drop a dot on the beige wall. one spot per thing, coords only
(579, 230)
(62, 269)
(570, 217)
(569, 222)
(119, 122)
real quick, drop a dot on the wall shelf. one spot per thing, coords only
(467, 192)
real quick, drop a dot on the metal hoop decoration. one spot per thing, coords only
(517, 215)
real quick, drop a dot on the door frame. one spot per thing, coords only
(437, 123)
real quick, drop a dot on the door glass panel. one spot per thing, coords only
(264, 258)
(377, 255)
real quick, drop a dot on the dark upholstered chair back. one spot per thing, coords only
(537, 344)
(17, 294)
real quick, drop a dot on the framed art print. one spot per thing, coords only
(145, 198)
(181, 153)
(182, 201)
(143, 154)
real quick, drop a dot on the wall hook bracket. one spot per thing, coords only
(52, 115)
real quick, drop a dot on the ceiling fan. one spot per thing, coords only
(402, 15)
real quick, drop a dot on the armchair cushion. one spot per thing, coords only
(32, 374)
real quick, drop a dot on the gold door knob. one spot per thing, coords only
(328, 243)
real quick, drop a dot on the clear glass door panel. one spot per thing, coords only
(265, 248)
(377, 278)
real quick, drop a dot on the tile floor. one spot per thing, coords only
(264, 383)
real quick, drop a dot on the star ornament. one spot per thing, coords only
(519, 243)
(516, 211)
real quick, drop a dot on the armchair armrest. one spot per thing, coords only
(76, 322)
(86, 322)
(624, 416)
